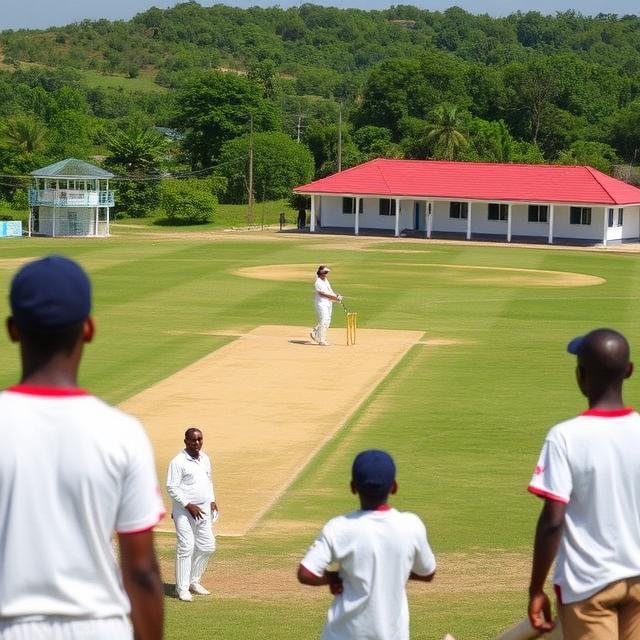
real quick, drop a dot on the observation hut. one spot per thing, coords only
(70, 198)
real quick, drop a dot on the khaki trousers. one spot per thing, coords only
(610, 614)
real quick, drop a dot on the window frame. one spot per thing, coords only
(499, 215)
(620, 216)
(458, 210)
(582, 213)
(390, 204)
(610, 218)
(346, 199)
(540, 212)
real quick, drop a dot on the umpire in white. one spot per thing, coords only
(190, 486)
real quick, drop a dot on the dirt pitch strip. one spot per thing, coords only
(266, 403)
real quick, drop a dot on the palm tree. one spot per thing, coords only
(443, 133)
(138, 150)
(24, 133)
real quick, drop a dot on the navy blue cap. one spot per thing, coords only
(373, 470)
(575, 345)
(50, 293)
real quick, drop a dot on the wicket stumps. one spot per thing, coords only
(352, 325)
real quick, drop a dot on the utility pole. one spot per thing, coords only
(299, 127)
(339, 136)
(250, 208)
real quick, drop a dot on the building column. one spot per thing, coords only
(469, 220)
(108, 210)
(605, 226)
(551, 207)
(509, 222)
(429, 213)
(356, 216)
(397, 229)
(312, 218)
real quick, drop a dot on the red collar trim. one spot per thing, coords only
(52, 392)
(608, 413)
(383, 507)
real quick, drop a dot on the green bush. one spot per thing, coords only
(188, 201)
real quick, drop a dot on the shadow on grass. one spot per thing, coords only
(168, 222)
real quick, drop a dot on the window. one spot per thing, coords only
(349, 205)
(498, 211)
(387, 207)
(620, 217)
(611, 217)
(538, 213)
(458, 210)
(580, 215)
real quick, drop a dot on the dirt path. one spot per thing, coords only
(266, 403)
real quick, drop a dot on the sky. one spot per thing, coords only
(40, 14)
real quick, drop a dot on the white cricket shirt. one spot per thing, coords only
(189, 479)
(323, 286)
(376, 551)
(72, 470)
(592, 463)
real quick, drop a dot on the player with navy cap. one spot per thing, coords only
(588, 474)
(72, 471)
(377, 549)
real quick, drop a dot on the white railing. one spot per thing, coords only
(70, 198)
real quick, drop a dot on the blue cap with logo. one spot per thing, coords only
(50, 293)
(373, 471)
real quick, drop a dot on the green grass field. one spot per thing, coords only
(464, 421)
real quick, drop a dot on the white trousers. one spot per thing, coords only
(65, 628)
(195, 545)
(324, 321)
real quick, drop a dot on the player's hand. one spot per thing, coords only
(540, 611)
(334, 582)
(339, 298)
(195, 511)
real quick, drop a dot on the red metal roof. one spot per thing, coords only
(477, 181)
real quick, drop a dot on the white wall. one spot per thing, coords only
(331, 214)
(330, 208)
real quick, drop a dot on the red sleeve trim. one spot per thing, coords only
(52, 392)
(145, 528)
(546, 494)
(312, 572)
(608, 413)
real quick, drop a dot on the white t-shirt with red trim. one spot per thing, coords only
(592, 464)
(72, 471)
(376, 551)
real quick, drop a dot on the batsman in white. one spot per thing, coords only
(190, 486)
(323, 301)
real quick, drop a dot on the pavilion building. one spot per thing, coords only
(70, 198)
(541, 203)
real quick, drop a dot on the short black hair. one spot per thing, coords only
(191, 430)
(46, 343)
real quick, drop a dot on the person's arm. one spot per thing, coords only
(428, 578)
(141, 578)
(331, 578)
(547, 541)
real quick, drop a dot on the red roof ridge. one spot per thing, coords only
(595, 174)
(377, 163)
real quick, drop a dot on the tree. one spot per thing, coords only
(140, 150)
(443, 132)
(135, 154)
(25, 134)
(188, 201)
(593, 154)
(279, 164)
(218, 107)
